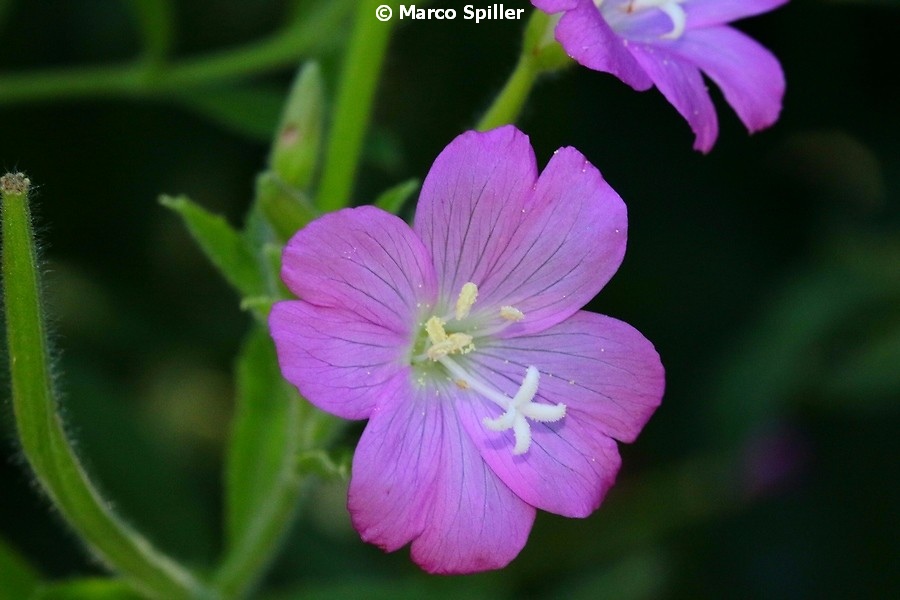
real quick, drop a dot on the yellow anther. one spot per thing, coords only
(466, 300)
(434, 327)
(460, 343)
(511, 313)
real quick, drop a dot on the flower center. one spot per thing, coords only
(616, 13)
(442, 348)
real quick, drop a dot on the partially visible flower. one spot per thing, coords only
(668, 43)
(489, 393)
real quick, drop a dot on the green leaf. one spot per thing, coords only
(285, 208)
(86, 589)
(40, 429)
(224, 246)
(17, 578)
(154, 19)
(298, 141)
(273, 428)
(248, 111)
(262, 484)
(393, 199)
(264, 435)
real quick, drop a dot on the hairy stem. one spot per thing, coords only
(40, 429)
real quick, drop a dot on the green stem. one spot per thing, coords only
(540, 54)
(359, 78)
(282, 49)
(509, 102)
(40, 429)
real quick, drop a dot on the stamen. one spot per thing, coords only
(466, 300)
(454, 343)
(434, 327)
(511, 313)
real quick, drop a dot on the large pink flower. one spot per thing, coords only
(489, 393)
(669, 43)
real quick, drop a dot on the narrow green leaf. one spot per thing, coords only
(154, 18)
(273, 428)
(286, 209)
(298, 141)
(93, 588)
(262, 484)
(264, 435)
(224, 246)
(248, 111)
(393, 199)
(17, 578)
(40, 430)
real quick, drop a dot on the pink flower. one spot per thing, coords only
(489, 393)
(669, 43)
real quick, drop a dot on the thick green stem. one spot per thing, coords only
(40, 429)
(361, 71)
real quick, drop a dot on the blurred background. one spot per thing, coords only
(767, 273)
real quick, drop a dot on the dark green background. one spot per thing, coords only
(767, 273)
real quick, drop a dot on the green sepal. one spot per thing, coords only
(226, 248)
(298, 140)
(393, 199)
(286, 208)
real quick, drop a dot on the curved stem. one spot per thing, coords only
(41, 431)
(141, 78)
(359, 78)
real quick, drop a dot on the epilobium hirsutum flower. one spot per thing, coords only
(668, 43)
(489, 393)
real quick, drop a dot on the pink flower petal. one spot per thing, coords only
(683, 86)
(418, 477)
(554, 6)
(363, 260)
(703, 13)
(545, 247)
(611, 381)
(569, 245)
(471, 204)
(337, 360)
(749, 75)
(587, 37)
